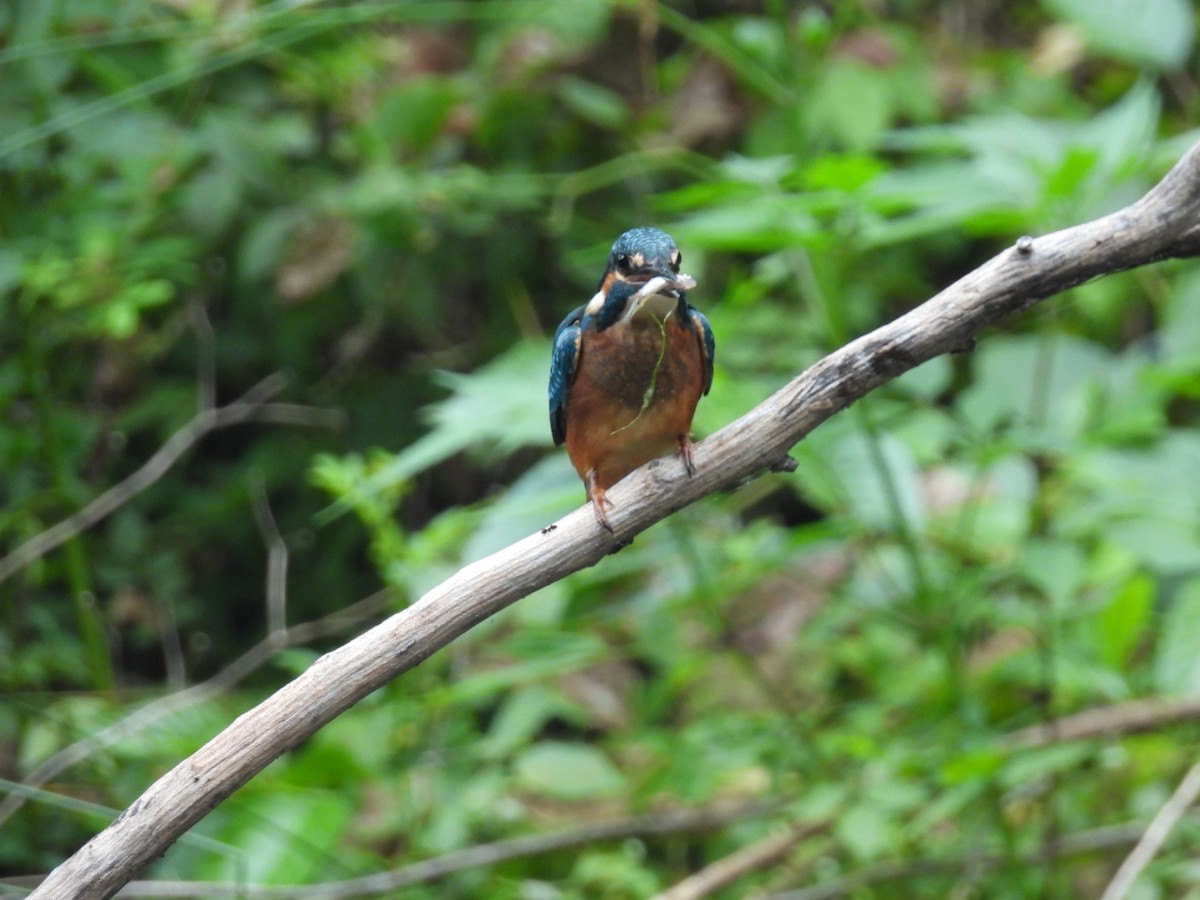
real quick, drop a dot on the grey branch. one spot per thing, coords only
(1114, 720)
(155, 711)
(741, 862)
(277, 562)
(1156, 835)
(1164, 223)
(252, 406)
(676, 822)
(1081, 843)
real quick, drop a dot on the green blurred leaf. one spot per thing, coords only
(866, 831)
(842, 172)
(293, 837)
(851, 106)
(764, 223)
(593, 102)
(871, 474)
(1036, 382)
(520, 717)
(1123, 622)
(1057, 569)
(491, 407)
(1154, 33)
(412, 116)
(568, 771)
(534, 655)
(1144, 501)
(1177, 664)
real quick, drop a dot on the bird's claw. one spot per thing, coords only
(685, 451)
(599, 502)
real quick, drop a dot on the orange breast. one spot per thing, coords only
(635, 391)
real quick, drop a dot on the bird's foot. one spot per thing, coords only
(599, 502)
(685, 451)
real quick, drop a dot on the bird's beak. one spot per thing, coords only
(673, 284)
(659, 292)
(658, 275)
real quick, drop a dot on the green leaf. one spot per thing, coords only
(11, 264)
(1056, 568)
(537, 655)
(972, 766)
(1001, 512)
(1153, 33)
(1143, 501)
(866, 831)
(412, 116)
(758, 225)
(569, 771)
(1122, 623)
(842, 172)
(1123, 135)
(851, 105)
(1037, 382)
(593, 102)
(1177, 664)
(548, 491)
(520, 717)
(1034, 766)
(293, 836)
(872, 473)
(927, 381)
(492, 406)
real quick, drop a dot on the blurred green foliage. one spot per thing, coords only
(394, 203)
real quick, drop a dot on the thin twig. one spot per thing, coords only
(252, 406)
(172, 646)
(657, 824)
(277, 562)
(1165, 223)
(1114, 720)
(741, 862)
(1156, 835)
(206, 354)
(1082, 843)
(335, 623)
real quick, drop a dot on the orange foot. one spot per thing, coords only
(685, 450)
(599, 501)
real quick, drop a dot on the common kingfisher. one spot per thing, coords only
(629, 366)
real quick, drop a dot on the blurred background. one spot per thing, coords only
(383, 209)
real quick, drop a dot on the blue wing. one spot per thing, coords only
(562, 371)
(708, 343)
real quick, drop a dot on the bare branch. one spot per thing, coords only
(206, 353)
(1127, 717)
(1080, 843)
(277, 563)
(1164, 223)
(139, 720)
(658, 824)
(743, 861)
(252, 406)
(1156, 835)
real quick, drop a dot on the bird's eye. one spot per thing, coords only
(676, 261)
(622, 263)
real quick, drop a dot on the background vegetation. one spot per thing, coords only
(393, 203)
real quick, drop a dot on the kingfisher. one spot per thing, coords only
(630, 366)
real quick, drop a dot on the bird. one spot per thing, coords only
(629, 367)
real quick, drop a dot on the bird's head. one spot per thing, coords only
(642, 253)
(638, 257)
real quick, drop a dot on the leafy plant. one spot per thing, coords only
(394, 203)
